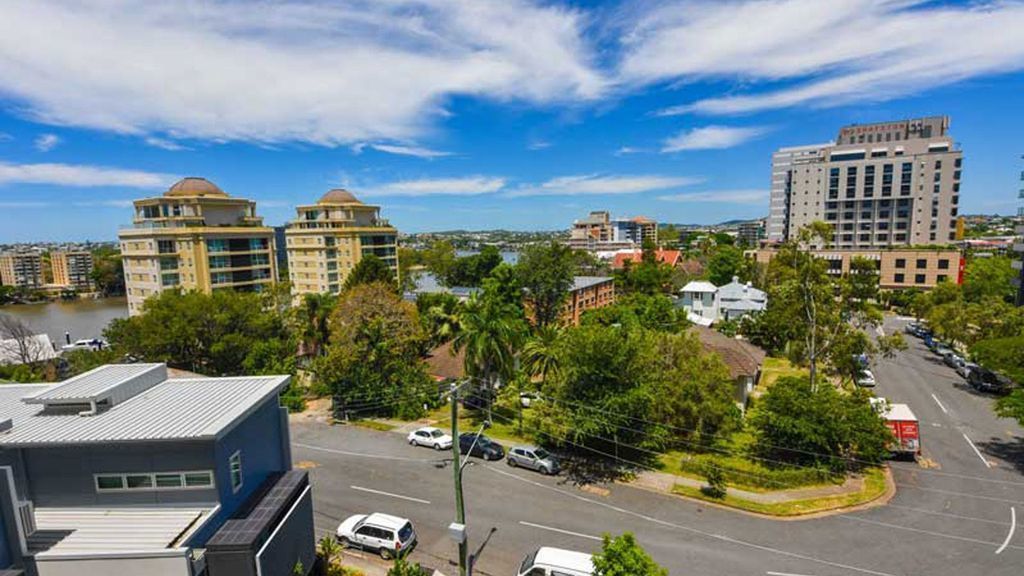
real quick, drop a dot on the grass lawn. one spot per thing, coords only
(775, 368)
(874, 487)
(371, 424)
(504, 426)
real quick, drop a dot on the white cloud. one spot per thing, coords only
(27, 204)
(402, 150)
(710, 138)
(80, 175)
(4, 137)
(535, 145)
(46, 142)
(466, 186)
(293, 71)
(720, 196)
(830, 53)
(596, 184)
(165, 144)
(104, 204)
(627, 150)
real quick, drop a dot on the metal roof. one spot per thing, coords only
(185, 409)
(699, 286)
(104, 530)
(581, 282)
(99, 384)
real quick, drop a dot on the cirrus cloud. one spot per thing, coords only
(78, 175)
(751, 196)
(594, 184)
(710, 138)
(465, 186)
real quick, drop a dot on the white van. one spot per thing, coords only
(556, 562)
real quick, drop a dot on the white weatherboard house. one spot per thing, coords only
(706, 303)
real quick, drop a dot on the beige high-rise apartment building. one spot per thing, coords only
(885, 184)
(327, 239)
(72, 269)
(599, 231)
(196, 237)
(21, 268)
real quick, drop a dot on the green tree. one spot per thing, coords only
(647, 277)
(108, 271)
(402, 567)
(439, 257)
(623, 556)
(1004, 355)
(370, 269)
(373, 361)
(795, 423)
(313, 314)
(654, 312)
(502, 285)
(490, 334)
(545, 273)
(1012, 406)
(989, 277)
(726, 262)
(439, 315)
(715, 478)
(540, 353)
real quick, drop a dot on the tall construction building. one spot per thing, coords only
(327, 239)
(72, 269)
(195, 237)
(21, 268)
(885, 184)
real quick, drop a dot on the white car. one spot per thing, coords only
(384, 534)
(866, 379)
(431, 437)
(547, 561)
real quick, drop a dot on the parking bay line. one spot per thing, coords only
(941, 407)
(976, 451)
(559, 530)
(382, 493)
(1013, 526)
(925, 532)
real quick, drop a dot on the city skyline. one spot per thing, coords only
(609, 107)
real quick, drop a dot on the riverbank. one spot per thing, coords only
(79, 319)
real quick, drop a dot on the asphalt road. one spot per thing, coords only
(952, 516)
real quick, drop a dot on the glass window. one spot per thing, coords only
(944, 264)
(921, 263)
(235, 465)
(898, 278)
(195, 479)
(919, 279)
(138, 481)
(901, 263)
(168, 480)
(110, 482)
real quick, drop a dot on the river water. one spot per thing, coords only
(81, 318)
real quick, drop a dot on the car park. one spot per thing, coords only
(533, 458)
(985, 380)
(480, 446)
(387, 535)
(546, 561)
(866, 379)
(431, 437)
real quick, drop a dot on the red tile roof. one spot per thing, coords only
(670, 257)
(443, 365)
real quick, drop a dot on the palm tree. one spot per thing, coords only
(490, 333)
(539, 356)
(443, 320)
(313, 316)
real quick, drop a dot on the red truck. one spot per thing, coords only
(904, 426)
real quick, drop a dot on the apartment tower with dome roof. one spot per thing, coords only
(195, 237)
(327, 239)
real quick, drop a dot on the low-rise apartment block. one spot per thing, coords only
(72, 269)
(897, 268)
(123, 471)
(196, 237)
(587, 293)
(327, 240)
(885, 184)
(22, 269)
(599, 232)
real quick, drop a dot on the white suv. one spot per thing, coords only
(429, 436)
(547, 561)
(387, 535)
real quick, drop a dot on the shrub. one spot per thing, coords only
(715, 479)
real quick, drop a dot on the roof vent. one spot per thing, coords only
(107, 385)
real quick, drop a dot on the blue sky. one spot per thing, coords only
(474, 114)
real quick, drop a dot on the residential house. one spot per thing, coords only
(698, 299)
(737, 299)
(670, 257)
(743, 359)
(123, 471)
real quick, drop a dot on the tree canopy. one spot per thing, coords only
(370, 269)
(545, 273)
(623, 556)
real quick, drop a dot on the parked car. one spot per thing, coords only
(547, 561)
(941, 350)
(965, 369)
(986, 380)
(384, 534)
(533, 458)
(915, 329)
(930, 341)
(483, 447)
(866, 379)
(429, 436)
(953, 360)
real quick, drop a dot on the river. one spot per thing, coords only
(81, 318)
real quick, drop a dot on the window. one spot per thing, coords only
(150, 481)
(944, 264)
(235, 465)
(901, 263)
(919, 279)
(941, 278)
(921, 263)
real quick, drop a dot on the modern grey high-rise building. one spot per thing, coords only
(885, 184)
(1018, 247)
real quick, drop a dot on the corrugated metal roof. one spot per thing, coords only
(96, 530)
(96, 384)
(185, 409)
(581, 282)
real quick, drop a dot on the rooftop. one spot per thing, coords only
(338, 196)
(699, 286)
(582, 282)
(741, 357)
(105, 530)
(194, 186)
(182, 409)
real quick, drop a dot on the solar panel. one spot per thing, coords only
(251, 525)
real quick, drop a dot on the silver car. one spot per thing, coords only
(533, 458)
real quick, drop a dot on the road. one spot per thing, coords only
(951, 517)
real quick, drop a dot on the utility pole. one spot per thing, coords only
(460, 508)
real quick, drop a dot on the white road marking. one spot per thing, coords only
(362, 454)
(976, 451)
(382, 493)
(926, 532)
(689, 529)
(783, 574)
(943, 408)
(961, 494)
(947, 515)
(1013, 526)
(560, 531)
